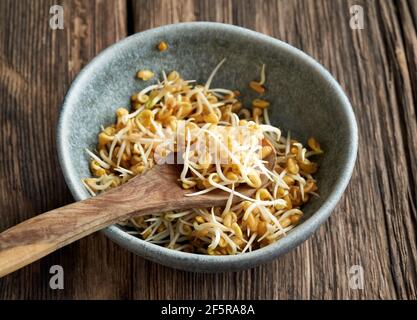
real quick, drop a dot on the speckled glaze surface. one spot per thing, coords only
(305, 100)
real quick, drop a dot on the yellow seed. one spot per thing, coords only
(172, 122)
(246, 204)
(238, 241)
(186, 229)
(252, 223)
(116, 182)
(292, 166)
(163, 114)
(153, 94)
(216, 178)
(137, 169)
(295, 196)
(99, 172)
(145, 75)
(222, 243)
(237, 230)
(227, 220)
(212, 99)
(201, 233)
(254, 180)
(206, 184)
(199, 219)
(262, 228)
(235, 169)
(314, 145)
(263, 194)
(288, 200)
(145, 117)
(279, 206)
(110, 131)
(295, 218)
(211, 118)
(103, 139)
(266, 151)
(188, 184)
(121, 112)
(162, 46)
(288, 180)
(307, 166)
(255, 86)
(256, 112)
(96, 169)
(294, 150)
(280, 192)
(185, 109)
(136, 105)
(285, 222)
(232, 176)
(173, 76)
(135, 159)
(310, 186)
(259, 103)
(234, 216)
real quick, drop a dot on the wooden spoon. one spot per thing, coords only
(155, 191)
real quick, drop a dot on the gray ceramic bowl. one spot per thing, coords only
(305, 99)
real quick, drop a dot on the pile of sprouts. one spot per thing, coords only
(220, 144)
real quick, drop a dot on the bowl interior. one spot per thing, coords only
(304, 99)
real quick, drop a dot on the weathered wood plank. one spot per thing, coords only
(37, 65)
(374, 225)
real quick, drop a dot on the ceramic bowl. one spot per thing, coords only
(305, 99)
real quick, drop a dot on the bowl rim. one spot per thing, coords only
(207, 263)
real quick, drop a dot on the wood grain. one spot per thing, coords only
(37, 65)
(373, 226)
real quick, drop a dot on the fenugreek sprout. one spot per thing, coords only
(220, 142)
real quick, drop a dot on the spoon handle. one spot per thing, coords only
(47, 232)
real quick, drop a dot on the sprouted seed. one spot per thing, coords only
(201, 115)
(162, 46)
(145, 75)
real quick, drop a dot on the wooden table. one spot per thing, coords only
(374, 225)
